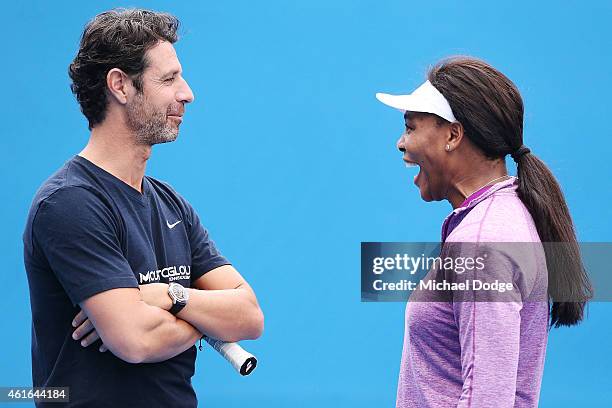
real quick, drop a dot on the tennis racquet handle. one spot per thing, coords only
(243, 361)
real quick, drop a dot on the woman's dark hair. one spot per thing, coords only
(490, 109)
(117, 38)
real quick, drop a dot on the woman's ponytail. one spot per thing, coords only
(568, 284)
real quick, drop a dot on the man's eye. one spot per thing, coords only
(169, 79)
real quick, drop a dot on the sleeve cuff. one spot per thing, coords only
(88, 291)
(209, 266)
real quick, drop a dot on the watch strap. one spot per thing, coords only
(176, 307)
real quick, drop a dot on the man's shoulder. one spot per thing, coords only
(68, 189)
(67, 182)
(63, 198)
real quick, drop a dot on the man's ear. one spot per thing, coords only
(118, 84)
(455, 135)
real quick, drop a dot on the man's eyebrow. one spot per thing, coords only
(171, 73)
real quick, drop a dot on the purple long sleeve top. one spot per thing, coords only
(481, 354)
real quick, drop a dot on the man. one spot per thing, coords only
(125, 248)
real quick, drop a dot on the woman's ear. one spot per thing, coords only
(455, 135)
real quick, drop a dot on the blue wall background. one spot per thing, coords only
(291, 163)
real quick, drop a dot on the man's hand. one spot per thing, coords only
(154, 294)
(85, 331)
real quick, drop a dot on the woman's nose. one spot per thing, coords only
(400, 143)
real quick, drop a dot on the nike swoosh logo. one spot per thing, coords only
(172, 225)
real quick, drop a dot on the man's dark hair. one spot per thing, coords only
(118, 38)
(490, 108)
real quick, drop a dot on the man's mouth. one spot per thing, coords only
(177, 113)
(176, 116)
(178, 119)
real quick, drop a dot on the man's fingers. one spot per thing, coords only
(92, 337)
(79, 319)
(83, 329)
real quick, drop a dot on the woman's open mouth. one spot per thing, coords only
(414, 164)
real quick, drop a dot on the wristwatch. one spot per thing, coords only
(179, 295)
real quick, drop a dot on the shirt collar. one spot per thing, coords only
(510, 182)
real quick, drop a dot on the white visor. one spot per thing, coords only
(426, 98)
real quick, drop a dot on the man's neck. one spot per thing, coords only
(113, 149)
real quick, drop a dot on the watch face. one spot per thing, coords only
(178, 293)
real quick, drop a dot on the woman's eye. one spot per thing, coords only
(409, 129)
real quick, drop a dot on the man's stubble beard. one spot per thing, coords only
(149, 126)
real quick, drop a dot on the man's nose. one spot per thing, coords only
(185, 94)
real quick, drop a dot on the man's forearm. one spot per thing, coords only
(164, 336)
(228, 315)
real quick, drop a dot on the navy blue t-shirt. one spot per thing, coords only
(88, 232)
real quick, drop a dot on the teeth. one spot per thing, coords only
(411, 164)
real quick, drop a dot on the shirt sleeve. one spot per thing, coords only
(76, 232)
(489, 332)
(204, 253)
(489, 335)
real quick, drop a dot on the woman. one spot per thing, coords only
(460, 125)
